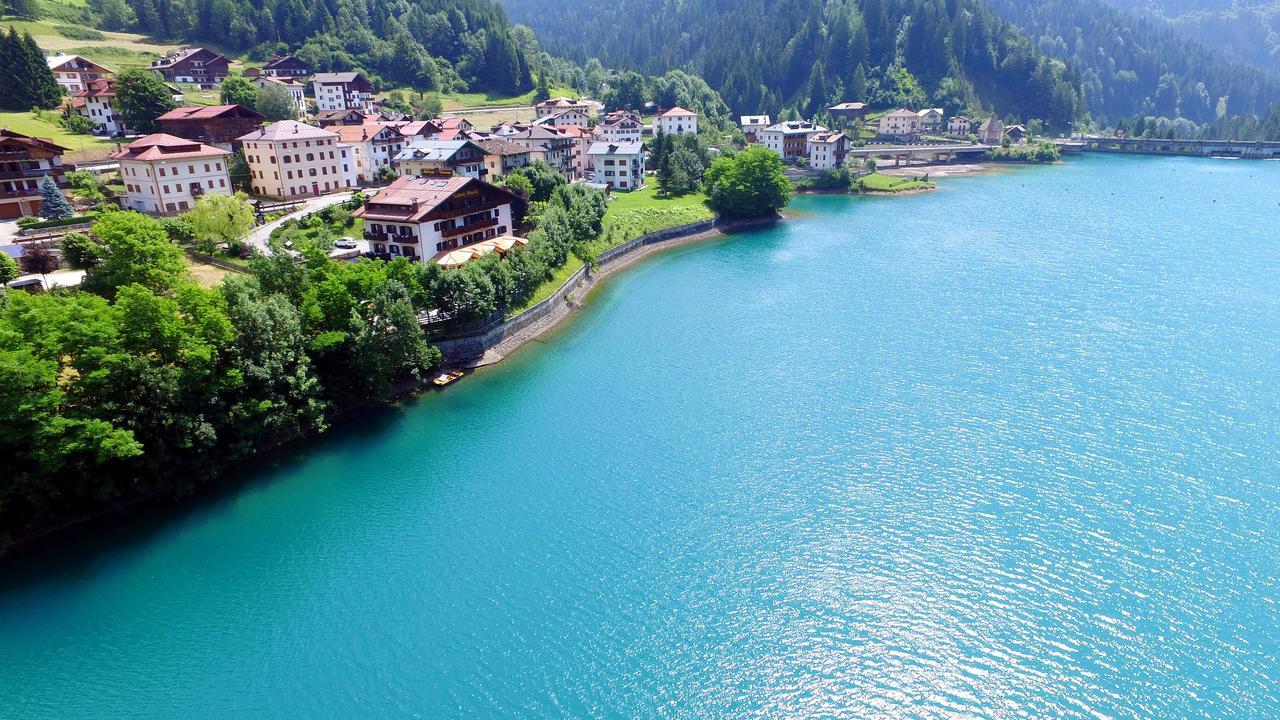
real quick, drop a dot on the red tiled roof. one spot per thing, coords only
(675, 111)
(159, 146)
(204, 112)
(360, 133)
(31, 141)
(410, 198)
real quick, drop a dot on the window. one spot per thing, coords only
(166, 189)
(161, 172)
(192, 169)
(206, 167)
(310, 156)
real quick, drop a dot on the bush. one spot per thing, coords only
(32, 223)
(78, 33)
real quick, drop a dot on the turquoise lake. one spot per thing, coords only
(1006, 450)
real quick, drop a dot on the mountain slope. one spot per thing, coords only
(1246, 30)
(801, 54)
(1132, 65)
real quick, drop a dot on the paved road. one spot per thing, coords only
(258, 236)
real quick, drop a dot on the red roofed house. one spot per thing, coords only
(200, 66)
(421, 217)
(166, 175)
(561, 104)
(827, 150)
(74, 72)
(217, 125)
(342, 91)
(288, 159)
(676, 121)
(373, 146)
(23, 161)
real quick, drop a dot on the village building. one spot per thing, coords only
(901, 124)
(621, 126)
(931, 119)
(24, 160)
(330, 118)
(288, 159)
(564, 118)
(374, 146)
(285, 66)
(827, 150)
(199, 66)
(424, 129)
(991, 132)
(849, 111)
(343, 91)
(74, 73)
(545, 144)
(164, 174)
(1017, 134)
(217, 125)
(676, 121)
(98, 103)
(790, 139)
(297, 89)
(561, 104)
(455, 128)
(958, 125)
(442, 157)
(582, 139)
(753, 125)
(422, 217)
(501, 157)
(618, 166)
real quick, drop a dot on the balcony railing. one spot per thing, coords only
(471, 227)
(383, 237)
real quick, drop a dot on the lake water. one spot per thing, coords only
(1006, 450)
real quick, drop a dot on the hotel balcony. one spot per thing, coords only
(472, 227)
(382, 237)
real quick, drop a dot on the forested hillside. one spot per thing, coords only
(430, 44)
(803, 54)
(1134, 66)
(1247, 30)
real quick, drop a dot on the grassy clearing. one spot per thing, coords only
(875, 182)
(633, 214)
(458, 101)
(82, 147)
(206, 275)
(630, 215)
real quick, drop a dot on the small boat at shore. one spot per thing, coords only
(446, 378)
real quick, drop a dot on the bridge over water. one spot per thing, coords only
(924, 154)
(1198, 148)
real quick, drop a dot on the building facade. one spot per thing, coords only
(24, 160)
(958, 125)
(619, 166)
(199, 66)
(991, 132)
(931, 119)
(74, 73)
(424, 216)
(900, 124)
(98, 103)
(285, 66)
(850, 111)
(343, 91)
(165, 175)
(622, 126)
(790, 139)
(560, 104)
(753, 125)
(676, 121)
(288, 160)
(827, 150)
(502, 157)
(464, 158)
(373, 145)
(217, 125)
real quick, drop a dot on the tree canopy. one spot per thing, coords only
(749, 184)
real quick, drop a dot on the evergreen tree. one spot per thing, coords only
(8, 269)
(28, 9)
(30, 82)
(143, 97)
(53, 204)
(858, 85)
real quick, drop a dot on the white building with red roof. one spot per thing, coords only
(373, 145)
(165, 174)
(74, 73)
(289, 159)
(98, 103)
(424, 217)
(676, 121)
(561, 104)
(827, 150)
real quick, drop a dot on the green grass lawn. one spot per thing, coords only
(82, 147)
(457, 101)
(875, 182)
(633, 214)
(629, 216)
